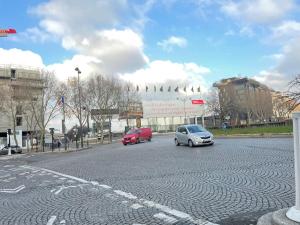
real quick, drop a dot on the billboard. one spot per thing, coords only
(172, 108)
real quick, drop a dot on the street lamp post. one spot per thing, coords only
(52, 133)
(88, 124)
(9, 133)
(79, 93)
(75, 130)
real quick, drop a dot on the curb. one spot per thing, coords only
(16, 156)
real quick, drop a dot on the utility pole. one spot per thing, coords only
(79, 93)
(64, 122)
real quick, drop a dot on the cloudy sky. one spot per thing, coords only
(195, 42)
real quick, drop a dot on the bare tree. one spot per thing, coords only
(129, 100)
(11, 106)
(282, 106)
(294, 91)
(44, 103)
(213, 103)
(104, 95)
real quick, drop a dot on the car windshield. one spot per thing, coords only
(132, 132)
(195, 129)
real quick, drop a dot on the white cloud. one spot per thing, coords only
(246, 31)
(20, 57)
(286, 67)
(290, 60)
(285, 31)
(82, 27)
(167, 72)
(273, 79)
(172, 41)
(257, 11)
(66, 69)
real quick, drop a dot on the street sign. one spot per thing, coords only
(198, 101)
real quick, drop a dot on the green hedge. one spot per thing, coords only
(253, 130)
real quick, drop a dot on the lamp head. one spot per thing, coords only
(78, 70)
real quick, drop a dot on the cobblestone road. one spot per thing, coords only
(231, 183)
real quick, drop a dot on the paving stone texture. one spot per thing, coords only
(233, 182)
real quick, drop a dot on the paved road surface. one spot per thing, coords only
(231, 183)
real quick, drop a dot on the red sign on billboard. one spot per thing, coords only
(5, 32)
(198, 101)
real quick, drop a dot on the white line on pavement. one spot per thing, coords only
(51, 220)
(13, 190)
(136, 206)
(164, 217)
(125, 194)
(62, 188)
(166, 209)
(60, 174)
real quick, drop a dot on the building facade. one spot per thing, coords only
(244, 101)
(19, 86)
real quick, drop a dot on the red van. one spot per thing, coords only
(136, 135)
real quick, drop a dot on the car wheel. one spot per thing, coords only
(124, 144)
(176, 142)
(137, 141)
(149, 139)
(191, 144)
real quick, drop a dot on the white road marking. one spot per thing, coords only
(51, 220)
(62, 222)
(164, 217)
(166, 209)
(8, 166)
(65, 187)
(22, 174)
(136, 206)
(100, 185)
(111, 196)
(61, 174)
(125, 194)
(105, 186)
(13, 190)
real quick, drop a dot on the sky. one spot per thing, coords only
(191, 42)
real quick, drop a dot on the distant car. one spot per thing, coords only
(14, 149)
(193, 135)
(136, 135)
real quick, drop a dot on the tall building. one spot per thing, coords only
(19, 86)
(244, 101)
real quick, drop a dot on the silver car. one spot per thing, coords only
(193, 135)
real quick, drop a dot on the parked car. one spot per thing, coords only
(14, 149)
(136, 135)
(193, 135)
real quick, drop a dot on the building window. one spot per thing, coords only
(19, 110)
(13, 74)
(19, 121)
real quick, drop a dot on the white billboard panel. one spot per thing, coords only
(171, 108)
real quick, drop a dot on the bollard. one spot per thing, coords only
(294, 212)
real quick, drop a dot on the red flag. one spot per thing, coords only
(198, 101)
